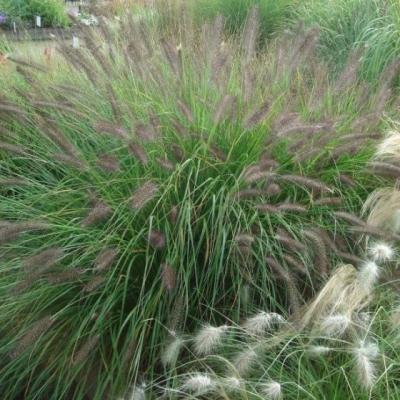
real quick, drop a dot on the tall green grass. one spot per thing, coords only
(151, 185)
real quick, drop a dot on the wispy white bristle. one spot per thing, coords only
(365, 355)
(381, 251)
(261, 322)
(245, 360)
(396, 220)
(272, 390)
(208, 339)
(232, 384)
(199, 384)
(172, 351)
(138, 393)
(318, 350)
(335, 325)
(368, 275)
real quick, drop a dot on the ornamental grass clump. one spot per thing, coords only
(169, 182)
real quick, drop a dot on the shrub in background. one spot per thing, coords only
(274, 14)
(369, 25)
(152, 184)
(24, 11)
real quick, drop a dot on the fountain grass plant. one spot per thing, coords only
(153, 184)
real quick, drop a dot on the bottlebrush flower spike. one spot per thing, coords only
(208, 338)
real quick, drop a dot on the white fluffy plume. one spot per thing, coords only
(381, 251)
(208, 338)
(138, 393)
(245, 360)
(172, 350)
(261, 322)
(318, 350)
(232, 384)
(335, 325)
(368, 275)
(199, 384)
(365, 355)
(272, 390)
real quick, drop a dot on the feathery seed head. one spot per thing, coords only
(172, 350)
(381, 251)
(209, 338)
(368, 275)
(272, 390)
(199, 384)
(261, 322)
(335, 325)
(365, 355)
(245, 360)
(318, 350)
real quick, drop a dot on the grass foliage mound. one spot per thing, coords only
(154, 184)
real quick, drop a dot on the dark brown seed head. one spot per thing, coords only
(144, 194)
(12, 231)
(244, 239)
(289, 242)
(145, 132)
(291, 207)
(178, 153)
(257, 116)
(267, 208)
(385, 169)
(42, 261)
(33, 335)
(108, 163)
(16, 149)
(105, 259)
(70, 160)
(165, 163)
(328, 201)
(350, 218)
(157, 239)
(139, 152)
(186, 111)
(100, 212)
(224, 108)
(319, 249)
(94, 283)
(307, 182)
(296, 264)
(109, 128)
(168, 277)
(174, 214)
(87, 348)
(346, 180)
(64, 276)
(273, 190)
